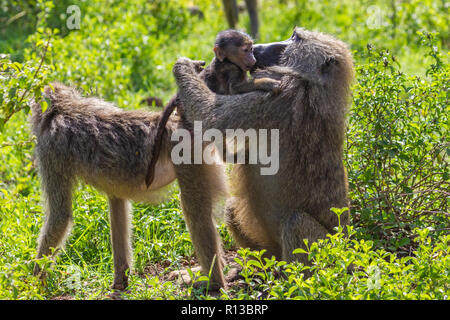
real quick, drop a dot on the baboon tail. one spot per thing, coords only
(36, 109)
(36, 116)
(57, 96)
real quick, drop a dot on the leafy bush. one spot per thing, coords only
(346, 268)
(21, 83)
(398, 148)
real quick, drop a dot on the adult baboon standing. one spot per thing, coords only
(277, 212)
(109, 148)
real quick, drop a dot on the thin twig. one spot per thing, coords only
(25, 93)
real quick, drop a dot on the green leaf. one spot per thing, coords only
(299, 250)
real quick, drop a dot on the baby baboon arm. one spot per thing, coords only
(264, 84)
(218, 111)
(278, 72)
(274, 72)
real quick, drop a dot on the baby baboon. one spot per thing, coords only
(226, 74)
(109, 148)
(276, 212)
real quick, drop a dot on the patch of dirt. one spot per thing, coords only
(63, 297)
(161, 269)
(165, 273)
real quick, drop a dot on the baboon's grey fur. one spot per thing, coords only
(277, 212)
(99, 143)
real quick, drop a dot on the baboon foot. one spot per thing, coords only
(120, 283)
(234, 274)
(183, 278)
(116, 295)
(207, 286)
(36, 270)
(121, 286)
(42, 276)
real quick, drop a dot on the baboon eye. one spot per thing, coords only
(331, 60)
(328, 62)
(296, 37)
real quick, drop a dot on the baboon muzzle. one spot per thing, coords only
(269, 54)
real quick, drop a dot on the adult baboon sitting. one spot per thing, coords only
(277, 212)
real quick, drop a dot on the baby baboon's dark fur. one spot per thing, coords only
(109, 148)
(277, 212)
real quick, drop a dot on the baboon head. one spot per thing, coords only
(235, 46)
(317, 57)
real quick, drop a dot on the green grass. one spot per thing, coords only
(396, 153)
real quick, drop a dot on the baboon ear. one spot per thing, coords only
(328, 64)
(219, 53)
(320, 76)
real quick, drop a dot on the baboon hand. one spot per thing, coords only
(185, 66)
(192, 91)
(198, 65)
(270, 85)
(275, 86)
